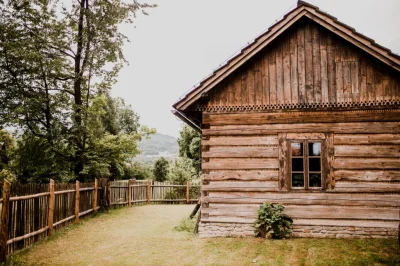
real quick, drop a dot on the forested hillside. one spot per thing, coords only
(159, 145)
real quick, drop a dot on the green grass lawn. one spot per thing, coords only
(147, 235)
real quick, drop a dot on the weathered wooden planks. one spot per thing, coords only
(270, 175)
(371, 151)
(309, 64)
(241, 152)
(242, 163)
(251, 186)
(365, 175)
(233, 141)
(366, 164)
(301, 117)
(366, 187)
(372, 127)
(373, 139)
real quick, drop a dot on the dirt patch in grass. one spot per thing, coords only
(146, 235)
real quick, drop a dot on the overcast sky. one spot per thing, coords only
(182, 41)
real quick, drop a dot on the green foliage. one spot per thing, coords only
(58, 64)
(160, 170)
(186, 225)
(190, 146)
(271, 221)
(139, 171)
(5, 174)
(181, 170)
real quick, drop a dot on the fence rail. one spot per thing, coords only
(32, 212)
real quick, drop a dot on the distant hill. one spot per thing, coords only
(159, 145)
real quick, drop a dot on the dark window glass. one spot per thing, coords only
(297, 149)
(315, 180)
(297, 180)
(297, 164)
(314, 149)
(315, 164)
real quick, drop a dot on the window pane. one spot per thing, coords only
(297, 180)
(297, 164)
(315, 180)
(315, 164)
(297, 149)
(314, 149)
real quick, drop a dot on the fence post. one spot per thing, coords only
(77, 194)
(96, 186)
(51, 208)
(129, 193)
(4, 221)
(187, 192)
(148, 191)
(109, 193)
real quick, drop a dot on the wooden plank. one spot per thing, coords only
(242, 176)
(245, 92)
(294, 83)
(379, 91)
(50, 208)
(370, 82)
(265, 79)
(346, 81)
(346, 223)
(363, 82)
(301, 198)
(77, 196)
(269, 129)
(241, 152)
(372, 139)
(239, 164)
(330, 160)
(305, 136)
(223, 94)
(187, 191)
(371, 151)
(354, 75)
(148, 191)
(258, 82)
(251, 85)
(237, 81)
(283, 161)
(301, 65)
(301, 117)
(272, 77)
(287, 90)
(279, 74)
(230, 141)
(4, 220)
(230, 91)
(316, 62)
(308, 212)
(324, 67)
(129, 198)
(367, 163)
(309, 71)
(363, 175)
(331, 68)
(339, 82)
(366, 187)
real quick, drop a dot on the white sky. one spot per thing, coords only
(182, 41)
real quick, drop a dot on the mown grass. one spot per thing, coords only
(161, 235)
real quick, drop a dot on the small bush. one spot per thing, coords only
(186, 225)
(272, 222)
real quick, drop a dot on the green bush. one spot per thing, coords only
(272, 222)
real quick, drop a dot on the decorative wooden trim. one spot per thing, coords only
(283, 162)
(317, 106)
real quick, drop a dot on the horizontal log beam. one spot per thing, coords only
(241, 152)
(365, 175)
(371, 151)
(240, 164)
(367, 163)
(242, 175)
(252, 140)
(372, 139)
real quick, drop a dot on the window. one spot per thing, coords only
(305, 168)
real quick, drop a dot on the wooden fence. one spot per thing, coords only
(32, 212)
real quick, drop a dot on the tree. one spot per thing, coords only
(189, 143)
(160, 169)
(181, 171)
(55, 60)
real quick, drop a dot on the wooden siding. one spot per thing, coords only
(242, 166)
(308, 64)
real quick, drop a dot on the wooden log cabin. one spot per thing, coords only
(308, 116)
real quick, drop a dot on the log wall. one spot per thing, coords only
(243, 167)
(307, 65)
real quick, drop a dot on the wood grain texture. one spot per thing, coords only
(240, 163)
(241, 152)
(371, 151)
(372, 139)
(301, 117)
(369, 176)
(367, 163)
(366, 187)
(232, 141)
(338, 128)
(271, 175)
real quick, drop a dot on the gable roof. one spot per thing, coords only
(303, 9)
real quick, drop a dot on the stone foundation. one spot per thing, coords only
(244, 230)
